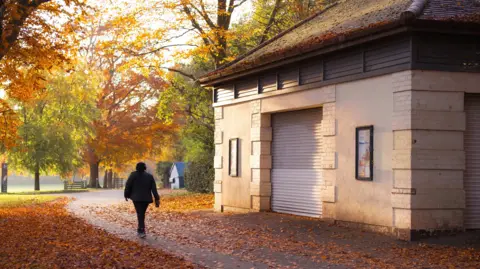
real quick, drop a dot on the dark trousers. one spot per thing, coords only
(141, 208)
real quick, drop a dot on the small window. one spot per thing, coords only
(233, 158)
(364, 153)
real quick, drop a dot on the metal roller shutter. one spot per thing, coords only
(472, 173)
(296, 154)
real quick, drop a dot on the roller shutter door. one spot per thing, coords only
(296, 156)
(472, 173)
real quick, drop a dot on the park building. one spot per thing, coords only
(367, 114)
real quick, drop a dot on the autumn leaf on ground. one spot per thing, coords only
(45, 236)
(258, 237)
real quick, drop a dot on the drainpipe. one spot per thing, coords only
(413, 11)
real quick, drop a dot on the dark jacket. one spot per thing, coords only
(140, 187)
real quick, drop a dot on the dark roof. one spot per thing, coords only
(180, 168)
(343, 19)
(450, 9)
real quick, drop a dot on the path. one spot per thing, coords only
(38, 233)
(100, 197)
(268, 240)
(84, 203)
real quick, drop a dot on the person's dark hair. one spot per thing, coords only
(141, 167)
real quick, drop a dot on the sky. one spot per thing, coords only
(112, 7)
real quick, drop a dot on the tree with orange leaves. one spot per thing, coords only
(128, 128)
(35, 36)
(9, 123)
(18, 18)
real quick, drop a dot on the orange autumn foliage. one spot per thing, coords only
(177, 202)
(40, 44)
(211, 21)
(128, 129)
(9, 123)
(35, 36)
(46, 236)
(278, 240)
(185, 203)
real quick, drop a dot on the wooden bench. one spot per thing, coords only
(76, 185)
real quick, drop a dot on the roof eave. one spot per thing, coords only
(337, 43)
(447, 26)
(356, 38)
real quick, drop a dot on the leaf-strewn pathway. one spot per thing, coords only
(262, 240)
(47, 236)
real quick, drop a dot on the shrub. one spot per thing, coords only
(199, 176)
(163, 172)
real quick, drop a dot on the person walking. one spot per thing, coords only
(139, 188)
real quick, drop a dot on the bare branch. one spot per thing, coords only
(183, 73)
(204, 15)
(172, 69)
(239, 4)
(156, 50)
(129, 92)
(187, 30)
(196, 25)
(271, 20)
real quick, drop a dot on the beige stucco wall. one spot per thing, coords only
(418, 141)
(250, 122)
(362, 103)
(346, 106)
(236, 124)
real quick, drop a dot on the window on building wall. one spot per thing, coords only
(364, 153)
(233, 157)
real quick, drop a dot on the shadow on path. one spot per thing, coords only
(270, 240)
(84, 203)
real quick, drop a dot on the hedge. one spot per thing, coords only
(199, 176)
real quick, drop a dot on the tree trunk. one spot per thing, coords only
(115, 176)
(110, 175)
(37, 177)
(11, 24)
(271, 20)
(105, 179)
(94, 174)
(3, 180)
(166, 178)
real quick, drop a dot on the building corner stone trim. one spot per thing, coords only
(260, 159)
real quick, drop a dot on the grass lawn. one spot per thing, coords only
(12, 200)
(50, 192)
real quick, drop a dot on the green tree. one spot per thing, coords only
(163, 172)
(56, 124)
(189, 101)
(270, 18)
(220, 42)
(186, 102)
